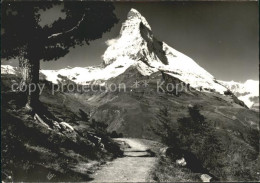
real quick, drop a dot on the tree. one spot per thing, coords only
(191, 137)
(166, 129)
(24, 38)
(200, 138)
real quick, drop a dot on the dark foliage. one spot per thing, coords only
(114, 134)
(84, 116)
(100, 130)
(24, 38)
(228, 92)
(31, 151)
(21, 32)
(169, 135)
(192, 138)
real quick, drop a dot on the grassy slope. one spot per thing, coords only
(168, 171)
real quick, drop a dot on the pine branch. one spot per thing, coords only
(70, 30)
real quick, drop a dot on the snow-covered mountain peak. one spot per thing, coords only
(8, 69)
(135, 41)
(137, 44)
(135, 18)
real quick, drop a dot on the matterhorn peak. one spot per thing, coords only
(136, 46)
(133, 12)
(135, 17)
(135, 42)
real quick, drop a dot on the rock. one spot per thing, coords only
(39, 119)
(190, 105)
(28, 108)
(56, 125)
(205, 178)
(168, 152)
(102, 146)
(99, 142)
(181, 162)
(65, 126)
(162, 151)
(69, 131)
(98, 139)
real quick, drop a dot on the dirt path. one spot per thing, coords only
(133, 167)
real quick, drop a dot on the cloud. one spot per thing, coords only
(111, 41)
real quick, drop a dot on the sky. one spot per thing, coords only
(222, 37)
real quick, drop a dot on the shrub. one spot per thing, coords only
(114, 134)
(228, 92)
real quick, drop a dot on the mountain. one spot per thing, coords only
(136, 47)
(8, 69)
(140, 61)
(248, 92)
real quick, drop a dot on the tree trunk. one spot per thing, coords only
(30, 78)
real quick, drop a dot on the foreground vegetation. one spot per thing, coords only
(166, 170)
(204, 150)
(35, 150)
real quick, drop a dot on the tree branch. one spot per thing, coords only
(70, 30)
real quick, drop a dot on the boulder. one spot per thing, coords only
(65, 126)
(56, 125)
(205, 178)
(181, 162)
(170, 152)
(162, 151)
